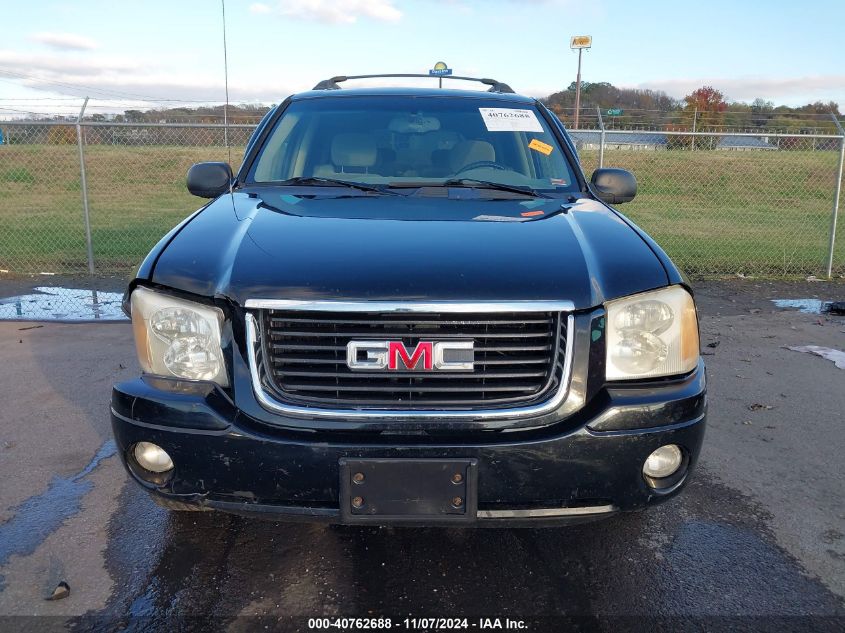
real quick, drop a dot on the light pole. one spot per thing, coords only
(579, 43)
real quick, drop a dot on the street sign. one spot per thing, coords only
(581, 41)
(614, 112)
(440, 70)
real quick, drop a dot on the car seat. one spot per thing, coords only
(351, 153)
(468, 152)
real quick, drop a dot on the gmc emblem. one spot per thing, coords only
(426, 356)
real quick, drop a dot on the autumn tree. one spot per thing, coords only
(703, 110)
(708, 105)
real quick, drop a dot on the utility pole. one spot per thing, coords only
(578, 88)
(579, 43)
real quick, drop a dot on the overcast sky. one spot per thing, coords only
(120, 53)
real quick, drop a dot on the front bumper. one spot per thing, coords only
(583, 467)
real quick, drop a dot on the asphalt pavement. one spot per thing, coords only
(755, 542)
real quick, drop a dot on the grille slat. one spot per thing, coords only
(416, 333)
(416, 375)
(398, 388)
(400, 320)
(342, 348)
(517, 359)
(282, 360)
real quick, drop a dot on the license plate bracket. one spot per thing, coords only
(396, 490)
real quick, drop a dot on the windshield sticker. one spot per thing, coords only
(532, 214)
(530, 204)
(561, 182)
(496, 218)
(539, 146)
(510, 120)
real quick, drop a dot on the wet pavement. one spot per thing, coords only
(48, 303)
(755, 542)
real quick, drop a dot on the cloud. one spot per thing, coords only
(65, 41)
(749, 88)
(113, 78)
(331, 11)
(63, 64)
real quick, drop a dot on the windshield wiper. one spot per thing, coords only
(489, 184)
(332, 182)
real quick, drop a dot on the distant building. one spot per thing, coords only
(733, 142)
(655, 140)
(619, 140)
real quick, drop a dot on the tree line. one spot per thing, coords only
(705, 108)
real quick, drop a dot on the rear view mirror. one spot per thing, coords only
(614, 186)
(414, 124)
(209, 180)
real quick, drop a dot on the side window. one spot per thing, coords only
(258, 129)
(276, 152)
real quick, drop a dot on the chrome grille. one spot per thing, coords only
(519, 359)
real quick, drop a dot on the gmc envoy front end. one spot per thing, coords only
(409, 307)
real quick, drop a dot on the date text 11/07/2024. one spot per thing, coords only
(417, 624)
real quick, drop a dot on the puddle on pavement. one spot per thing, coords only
(63, 304)
(808, 306)
(39, 516)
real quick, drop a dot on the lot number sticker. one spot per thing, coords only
(510, 120)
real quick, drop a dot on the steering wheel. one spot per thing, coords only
(482, 163)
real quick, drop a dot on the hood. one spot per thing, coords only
(275, 246)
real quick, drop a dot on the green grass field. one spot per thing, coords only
(715, 212)
(722, 212)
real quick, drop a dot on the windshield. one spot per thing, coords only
(414, 141)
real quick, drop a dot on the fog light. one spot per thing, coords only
(663, 462)
(152, 457)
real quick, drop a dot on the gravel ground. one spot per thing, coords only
(757, 540)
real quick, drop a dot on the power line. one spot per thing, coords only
(52, 82)
(103, 91)
(226, 82)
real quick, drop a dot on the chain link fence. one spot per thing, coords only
(135, 191)
(731, 203)
(720, 203)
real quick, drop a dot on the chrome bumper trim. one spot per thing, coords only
(545, 512)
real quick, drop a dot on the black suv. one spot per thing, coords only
(409, 306)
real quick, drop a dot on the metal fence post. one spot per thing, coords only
(694, 120)
(84, 186)
(601, 144)
(837, 190)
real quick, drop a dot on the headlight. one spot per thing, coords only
(177, 337)
(652, 334)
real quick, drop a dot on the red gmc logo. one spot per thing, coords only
(426, 356)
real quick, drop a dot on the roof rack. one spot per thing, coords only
(332, 84)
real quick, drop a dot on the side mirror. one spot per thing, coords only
(209, 180)
(614, 186)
